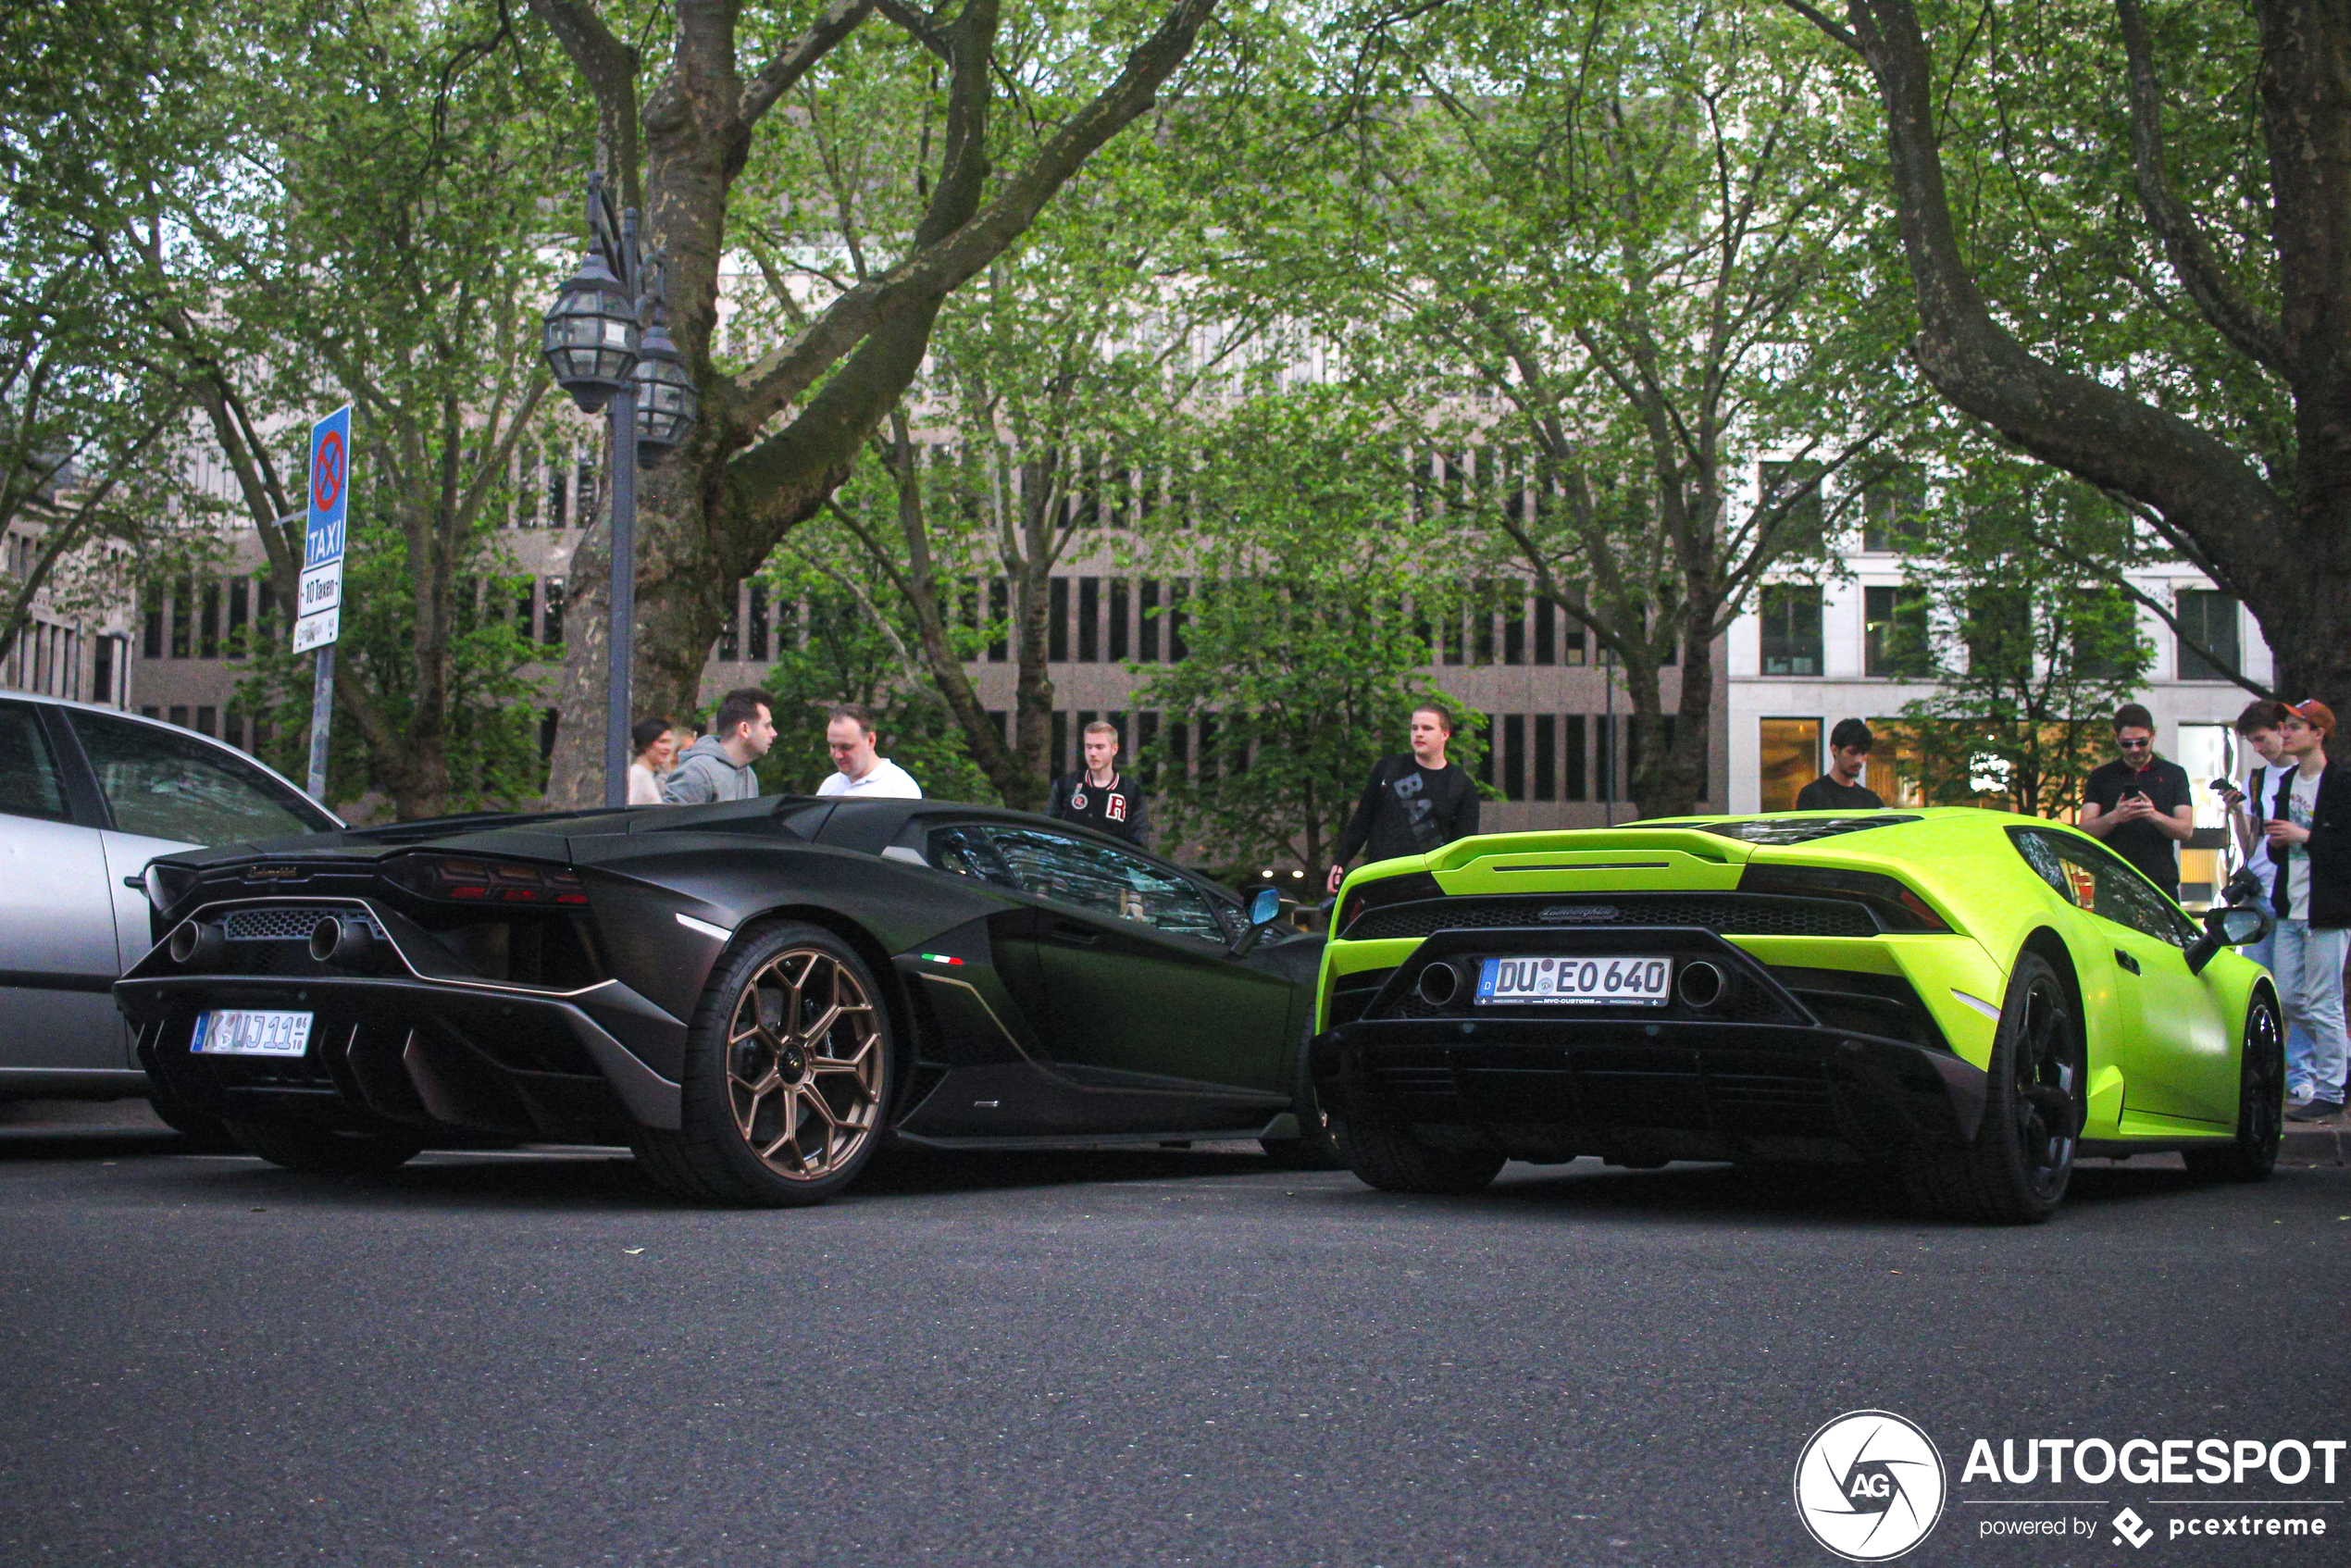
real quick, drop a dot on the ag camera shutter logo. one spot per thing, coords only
(1870, 1485)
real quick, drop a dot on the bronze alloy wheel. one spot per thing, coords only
(804, 1065)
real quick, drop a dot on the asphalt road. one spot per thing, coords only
(1112, 1358)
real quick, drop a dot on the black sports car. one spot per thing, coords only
(752, 995)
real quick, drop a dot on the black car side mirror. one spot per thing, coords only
(2235, 925)
(1264, 908)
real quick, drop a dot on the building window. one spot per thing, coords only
(208, 644)
(1090, 617)
(183, 615)
(1514, 756)
(1547, 650)
(1791, 628)
(1178, 593)
(1057, 625)
(2210, 620)
(1120, 643)
(756, 633)
(1793, 490)
(101, 671)
(151, 632)
(1547, 743)
(1607, 732)
(1577, 785)
(1894, 637)
(240, 606)
(1894, 510)
(555, 614)
(1788, 760)
(1514, 624)
(730, 635)
(1999, 629)
(999, 612)
(2106, 633)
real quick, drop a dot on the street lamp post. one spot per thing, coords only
(603, 352)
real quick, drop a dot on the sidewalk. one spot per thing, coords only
(2317, 1143)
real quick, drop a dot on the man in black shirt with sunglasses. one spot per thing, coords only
(2139, 803)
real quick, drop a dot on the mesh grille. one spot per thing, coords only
(1734, 914)
(286, 924)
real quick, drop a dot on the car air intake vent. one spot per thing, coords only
(1746, 915)
(1351, 994)
(288, 925)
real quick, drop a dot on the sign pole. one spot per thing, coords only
(322, 713)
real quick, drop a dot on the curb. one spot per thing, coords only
(2322, 1146)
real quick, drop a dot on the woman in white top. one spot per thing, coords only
(656, 749)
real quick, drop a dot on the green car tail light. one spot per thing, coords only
(1409, 888)
(1897, 906)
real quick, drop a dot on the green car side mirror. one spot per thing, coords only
(2232, 926)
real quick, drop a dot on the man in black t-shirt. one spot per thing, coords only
(1840, 788)
(1097, 794)
(1412, 803)
(2141, 805)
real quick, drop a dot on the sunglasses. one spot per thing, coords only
(2135, 745)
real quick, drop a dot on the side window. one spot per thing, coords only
(162, 785)
(2091, 878)
(966, 853)
(29, 782)
(1106, 880)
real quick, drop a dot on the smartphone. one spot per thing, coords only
(2223, 787)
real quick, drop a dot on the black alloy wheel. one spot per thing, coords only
(2252, 1154)
(2016, 1171)
(1391, 1159)
(788, 1076)
(322, 1150)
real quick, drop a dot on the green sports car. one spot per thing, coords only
(1971, 997)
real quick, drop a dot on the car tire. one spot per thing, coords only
(203, 1134)
(2016, 1170)
(2252, 1154)
(786, 1078)
(322, 1150)
(1314, 1148)
(1394, 1161)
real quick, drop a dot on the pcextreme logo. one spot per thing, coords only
(1870, 1485)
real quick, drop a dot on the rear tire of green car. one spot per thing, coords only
(2252, 1154)
(2016, 1171)
(1394, 1161)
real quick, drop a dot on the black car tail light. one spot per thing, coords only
(1408, 888)
(464, 879)
(1897, 906)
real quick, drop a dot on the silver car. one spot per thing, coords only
(88, 796)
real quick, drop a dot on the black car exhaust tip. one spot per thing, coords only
(1702, 984)
(1439, 984)
(197, 943)
(340, 940)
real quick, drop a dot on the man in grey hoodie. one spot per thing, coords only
(718, 766)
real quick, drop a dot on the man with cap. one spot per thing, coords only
(2308, 828)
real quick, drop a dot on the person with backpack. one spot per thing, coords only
(1413, 803)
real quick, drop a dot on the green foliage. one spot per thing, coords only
(2031, 663)
(1307, 641)
(494, 705)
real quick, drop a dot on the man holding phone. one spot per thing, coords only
(2139, 803)
(2308, 826)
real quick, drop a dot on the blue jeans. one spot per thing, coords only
(2309, 974)
(2301, 1051)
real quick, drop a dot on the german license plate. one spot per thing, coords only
(1643, 981)
(248, 1033)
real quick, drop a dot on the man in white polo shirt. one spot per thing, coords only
(849, 734)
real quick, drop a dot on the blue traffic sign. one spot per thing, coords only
(329, 489)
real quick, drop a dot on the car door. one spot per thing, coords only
(1142, 990)
(58, 954)
(2182, 1056)
(167, 789)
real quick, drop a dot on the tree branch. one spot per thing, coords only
(776, 79)
(2253, 332)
